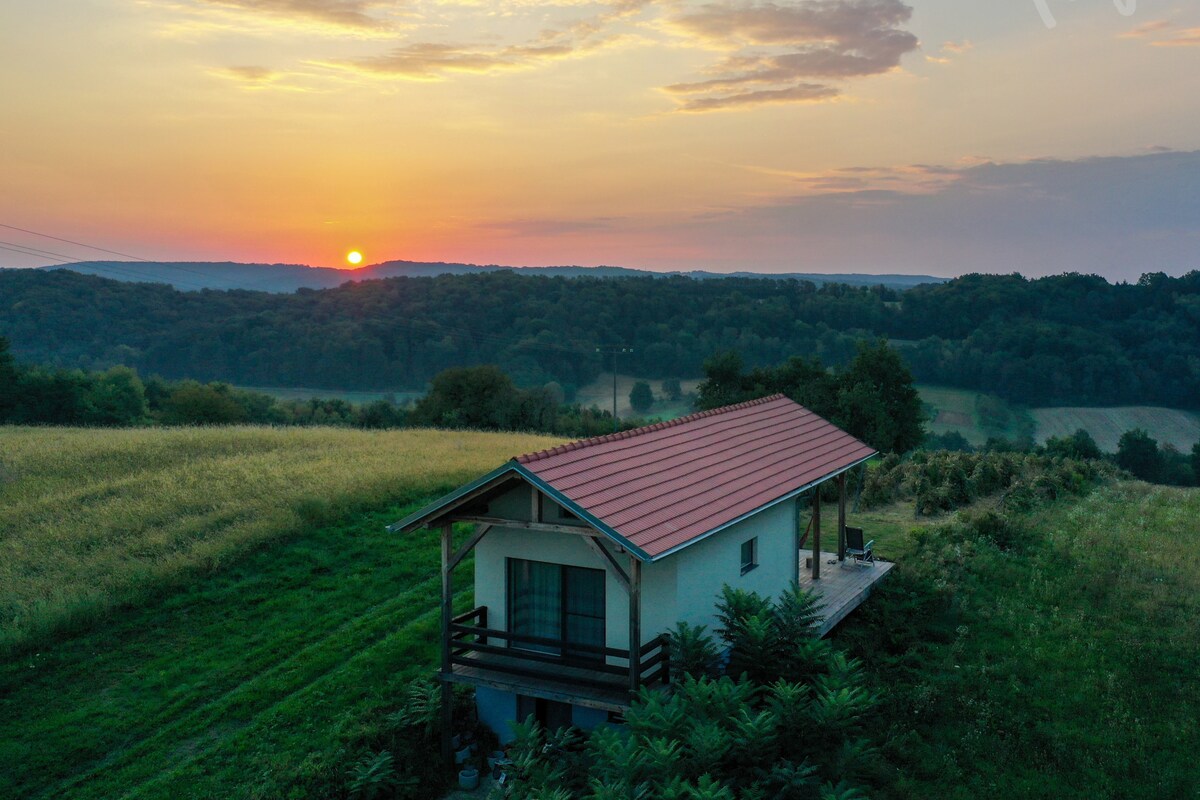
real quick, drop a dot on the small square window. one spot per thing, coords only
(749, 554)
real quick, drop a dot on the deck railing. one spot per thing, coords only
(470, 635)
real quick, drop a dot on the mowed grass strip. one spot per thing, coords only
(252, 682)
(91, 520)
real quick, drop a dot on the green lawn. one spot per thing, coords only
(257, 681)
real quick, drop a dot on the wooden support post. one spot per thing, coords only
(447, 608)
(635, 624)
(842, 517)
(797, 533)
(535, 510)
(816, 533)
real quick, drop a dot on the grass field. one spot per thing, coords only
(1061, 667)
(203, 663)
(296, 393)
(1168, 426)
(600, 393)
(975, 415)
(96, 519)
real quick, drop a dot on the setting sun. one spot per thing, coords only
(354, 257)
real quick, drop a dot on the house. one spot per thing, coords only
(588, 553)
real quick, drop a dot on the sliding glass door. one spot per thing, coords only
(562, 604)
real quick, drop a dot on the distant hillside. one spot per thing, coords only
(1067, 340)
(189, 275)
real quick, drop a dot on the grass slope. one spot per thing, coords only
(96, 519)
(1062, 667)
(254, 682)
(977, 416)
(1168, 426)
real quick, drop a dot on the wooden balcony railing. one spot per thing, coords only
(473, 644)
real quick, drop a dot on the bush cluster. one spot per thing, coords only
(776, 713)
(943, 481)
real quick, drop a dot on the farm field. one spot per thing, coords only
(299, 393)
(1168, 426)
(600, 392)
(975, 415)
(98, 519)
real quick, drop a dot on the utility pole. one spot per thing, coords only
(613, 351)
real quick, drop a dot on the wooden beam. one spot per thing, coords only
(816, 532)
(581, 530)
(796, 534)
(535, 511)
(602, 551)
(635, 624)
(447, 613)
(480, 531)
(841, 481)
(441, 514)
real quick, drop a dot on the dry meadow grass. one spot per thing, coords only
(94, 519)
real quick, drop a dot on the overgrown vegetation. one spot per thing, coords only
(940, 481)
(780, 716)
(1043, 654)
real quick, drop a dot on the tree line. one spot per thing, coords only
(872, 398)
(480, 398)
(1067, 339)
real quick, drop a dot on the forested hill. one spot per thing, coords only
(1068, 339)
(290, 277)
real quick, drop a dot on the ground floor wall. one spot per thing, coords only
(498, 711)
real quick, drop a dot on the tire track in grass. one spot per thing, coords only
(176, 770)
(358, 632)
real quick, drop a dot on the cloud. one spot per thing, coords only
(950, 50)
(339, 13)
(1117, 216)
(249, 74)
(1163, 33)
(798, 93)
(428, 60)
(778, 49)
(431, 61)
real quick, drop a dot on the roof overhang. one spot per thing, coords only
(781, 499)
(430, 514)
(443, 506)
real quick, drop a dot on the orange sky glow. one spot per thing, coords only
(814, 135)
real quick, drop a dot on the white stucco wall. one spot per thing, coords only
(683, 586)
(703, 568)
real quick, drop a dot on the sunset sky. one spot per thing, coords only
(934, 136)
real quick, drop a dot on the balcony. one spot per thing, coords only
(595, 677)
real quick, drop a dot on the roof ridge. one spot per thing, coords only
(658, 426)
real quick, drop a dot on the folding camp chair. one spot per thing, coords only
(857, 552)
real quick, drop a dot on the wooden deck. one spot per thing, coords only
(841, 589)
(582, 687)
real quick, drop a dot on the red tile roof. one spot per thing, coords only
(666, 485)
